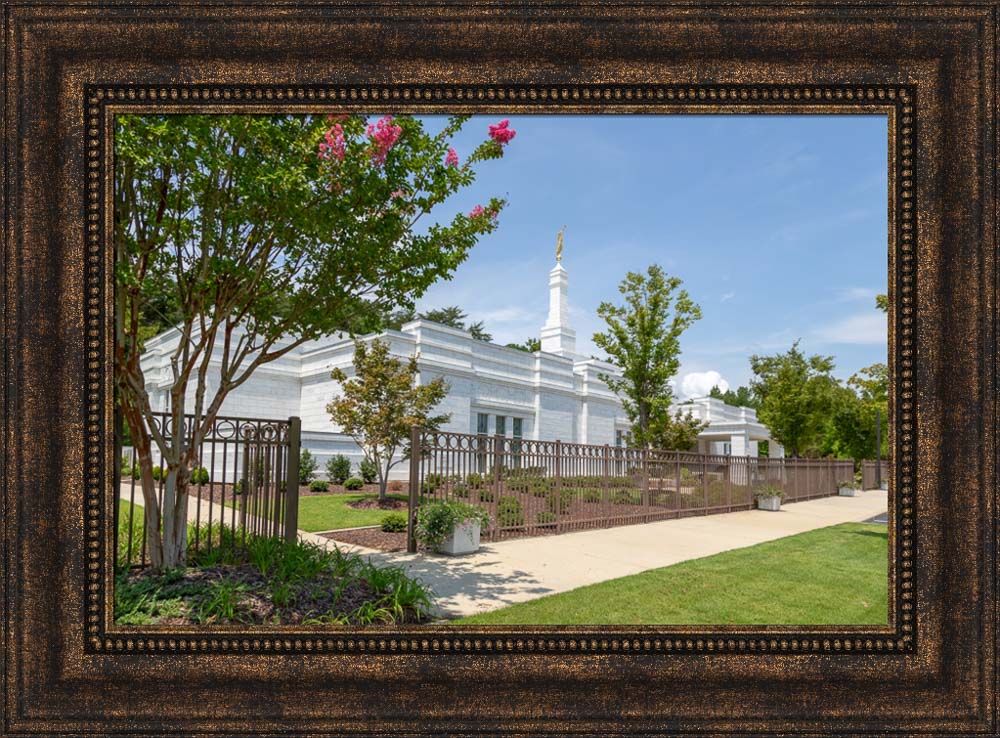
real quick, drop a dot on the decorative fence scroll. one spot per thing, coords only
(538, 487)
(249, 484)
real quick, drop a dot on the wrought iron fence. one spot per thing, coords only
(536, 487)
(875, 474)
(246, 480)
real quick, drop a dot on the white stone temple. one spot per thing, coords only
(552, 394)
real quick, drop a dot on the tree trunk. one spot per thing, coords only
(174, 519)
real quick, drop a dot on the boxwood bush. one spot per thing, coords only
(509, 512)
(354, 483)
(394, 523)
(318, 485)
(338, 469)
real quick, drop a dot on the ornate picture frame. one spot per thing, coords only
(931, 69)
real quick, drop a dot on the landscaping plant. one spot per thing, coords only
(307, 466)
(367, 470)
(437, 519)
(354, 483)
(394, 523)
(319, 485)
(509, 512)
(338, 468)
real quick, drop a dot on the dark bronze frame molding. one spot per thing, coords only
(930, 68)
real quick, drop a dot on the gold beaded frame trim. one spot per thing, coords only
(897, 102)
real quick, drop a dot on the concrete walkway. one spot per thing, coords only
(507, 572)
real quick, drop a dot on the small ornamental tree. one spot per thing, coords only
(643, 340)
(381, 402)
(677, 432)
(255, 234)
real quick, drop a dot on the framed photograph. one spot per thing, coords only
(458, 369)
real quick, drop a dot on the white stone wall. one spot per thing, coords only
(556, 396)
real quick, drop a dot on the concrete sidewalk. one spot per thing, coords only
(507, 572)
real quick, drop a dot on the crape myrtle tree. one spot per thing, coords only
(380, 404)
(643, 340)
(259, 233)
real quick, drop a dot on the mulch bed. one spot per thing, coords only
(370, 538)
(373, 503)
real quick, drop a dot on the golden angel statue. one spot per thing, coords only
(559, 244)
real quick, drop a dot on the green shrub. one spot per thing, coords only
(307, 467)
(545, 519)
(518, 484)
(318, 485)
(592, 495)
(238, 487)
(126, 469)
(626, 497)
(368, 470)
(509, 512)
(768, 490)
(458, 489)
(487, 494)
(559, 501)
(353, 483)
(437, 519)
(539, 487)
(393, 523)
(159, 473)
(474, 480)
(338, 468)
(200, 475)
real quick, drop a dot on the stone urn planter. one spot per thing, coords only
(848, 490)
(769, 502)
(450, 527)
(464, 539)
(769, 497)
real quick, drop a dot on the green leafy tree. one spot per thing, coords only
(741, 397)
(251, 234)
(381, 402)
(478, 331)
(852, 431)
(452, 316)
(796, 395)
(643, 340)
(882, 303)
(530, 345)
(676, 432)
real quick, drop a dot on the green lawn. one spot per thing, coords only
(330, 512)
(836, 576)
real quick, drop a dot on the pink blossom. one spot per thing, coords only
(334, 117)
(333, 145)
(385, 135)
(501, 133)
(480, 211)
(452, 159)
(396, 193)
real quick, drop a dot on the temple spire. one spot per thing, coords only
(557, 335)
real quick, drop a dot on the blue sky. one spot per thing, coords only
(776, 225)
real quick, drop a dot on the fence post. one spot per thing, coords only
(292, 479)
(644, 499)
(411, 519)
(607, 473)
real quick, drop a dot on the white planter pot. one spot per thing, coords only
(769, 503)
(885, 485)
(464, 539)
(848, 492)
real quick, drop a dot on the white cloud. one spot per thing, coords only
(863, 328)
(727, 297)
(699, 384)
